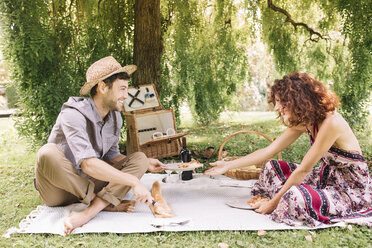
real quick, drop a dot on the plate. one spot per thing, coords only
(180, 167)
(239, 203)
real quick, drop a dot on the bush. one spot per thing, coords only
(13, 98)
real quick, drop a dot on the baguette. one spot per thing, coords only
(163, 211)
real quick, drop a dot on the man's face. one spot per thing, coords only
(115, 96)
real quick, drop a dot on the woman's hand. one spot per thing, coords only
(218, 169)
(155, 165)
(265, 207)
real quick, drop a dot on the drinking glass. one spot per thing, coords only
(166, 179)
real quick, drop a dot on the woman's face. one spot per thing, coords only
(281, 110)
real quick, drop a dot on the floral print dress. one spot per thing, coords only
(338, 190)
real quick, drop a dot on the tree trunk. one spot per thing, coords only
(148, 45)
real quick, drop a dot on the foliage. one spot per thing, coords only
(12, 96)
(194, 41)
(342, 58)
(30, 51)
(207, 62)
(10, 90)
(355, 90)
(212, 52)
(4, 71)
(50, 45)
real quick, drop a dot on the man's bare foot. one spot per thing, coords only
(75, 220)
(124, 206)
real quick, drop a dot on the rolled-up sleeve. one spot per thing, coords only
(75, 128)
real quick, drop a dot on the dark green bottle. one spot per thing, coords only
(185, 156)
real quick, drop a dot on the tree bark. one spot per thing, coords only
(148, 45)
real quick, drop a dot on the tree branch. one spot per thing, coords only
(295, 24)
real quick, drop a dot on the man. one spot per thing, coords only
(82, 162)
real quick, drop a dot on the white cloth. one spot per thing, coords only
(199, 204)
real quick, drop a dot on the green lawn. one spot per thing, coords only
(18, 197)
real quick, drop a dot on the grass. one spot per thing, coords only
(18, 197)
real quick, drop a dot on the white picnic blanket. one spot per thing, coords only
(199, 204)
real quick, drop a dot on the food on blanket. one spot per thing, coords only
(252, 168)
(163, 211)
(257, 199)
(189, 164)
(245, 173)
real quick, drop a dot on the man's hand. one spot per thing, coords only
(155, 165)
(266, 207)
(142, 194)
(218, 169)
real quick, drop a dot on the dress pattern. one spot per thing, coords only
(340, 189)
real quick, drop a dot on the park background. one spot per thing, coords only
(211, 61)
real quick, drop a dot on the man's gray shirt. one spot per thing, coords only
(81, 132)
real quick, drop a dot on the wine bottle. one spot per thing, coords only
(185, 156)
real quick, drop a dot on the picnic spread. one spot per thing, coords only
(198, 204)
(225, 202)
(222, 202)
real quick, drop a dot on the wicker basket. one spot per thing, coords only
(245, 173)
(162, 148)
(146, 119)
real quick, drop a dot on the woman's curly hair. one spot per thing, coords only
(307, 99)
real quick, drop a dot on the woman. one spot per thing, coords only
(340, 188)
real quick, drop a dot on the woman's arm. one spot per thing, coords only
(326, 137)
(289, 136)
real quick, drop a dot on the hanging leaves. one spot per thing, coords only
(210, 51)
(49, 46)
(206, 59)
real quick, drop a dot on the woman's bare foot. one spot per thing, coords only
(75, 220)
(124, 206)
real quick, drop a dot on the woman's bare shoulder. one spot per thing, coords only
(334, 121)
(335, 124)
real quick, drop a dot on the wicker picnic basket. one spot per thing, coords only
(245, 173)
(150, 128)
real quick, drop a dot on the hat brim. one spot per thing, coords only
(85, 90)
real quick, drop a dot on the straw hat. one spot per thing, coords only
(102, 69)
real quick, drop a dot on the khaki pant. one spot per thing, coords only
(59, 182)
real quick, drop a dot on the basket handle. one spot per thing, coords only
(240, 132)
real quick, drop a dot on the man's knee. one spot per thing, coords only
(140, 159)
(138, 155)
(46, 155)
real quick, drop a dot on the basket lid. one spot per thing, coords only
(141, 98)
(169, 137)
